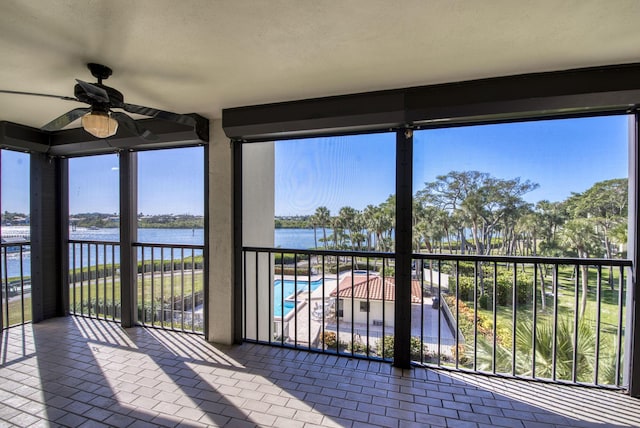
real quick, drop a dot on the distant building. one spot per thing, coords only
(368, 299)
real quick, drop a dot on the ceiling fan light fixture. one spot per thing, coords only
(100, 124)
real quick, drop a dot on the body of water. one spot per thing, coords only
(284, 238)
(92, 253)
(298, 239)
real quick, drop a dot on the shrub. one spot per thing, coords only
(358, 347)
(289, 258)
(330, 340)
(344, 267)
(277, 270)
(505, 287)
(415, 347)
(467, 320)
(504, 282)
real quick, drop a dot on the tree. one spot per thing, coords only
(579, 235)
(551, 217)
(313, 222)
(358, 235)
(347, 217)
(429, 227)
(544, 356)
(368, 219)
(529, 227)
(482, 203)
(605, 204)
(322, 216)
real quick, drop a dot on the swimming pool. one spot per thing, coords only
(287, 288)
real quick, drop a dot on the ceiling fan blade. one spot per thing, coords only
(134, 127)
(160, 114)
(94, 92)
(61, 97)
(62, 121)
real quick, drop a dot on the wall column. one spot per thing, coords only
(220, 302)
(49, 236)
(241, 210)
(404, 230)
(128, 235)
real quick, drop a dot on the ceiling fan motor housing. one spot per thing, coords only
(115, 97)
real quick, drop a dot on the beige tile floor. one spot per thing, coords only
(80, 372)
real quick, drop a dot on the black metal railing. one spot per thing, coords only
(15, 302)
(556, 319)
(552, 319)
(171, 286)
(94, 279)
(330, 301)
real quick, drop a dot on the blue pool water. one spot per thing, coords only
(288, 287)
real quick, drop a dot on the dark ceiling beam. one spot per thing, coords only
(77, 142)
(22, 138)
(348, 113)
(571, 92)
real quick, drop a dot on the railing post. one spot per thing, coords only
(404, 204)
(128, 235)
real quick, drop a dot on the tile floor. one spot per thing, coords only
(80, 372)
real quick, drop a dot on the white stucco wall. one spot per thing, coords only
(258, 217)
(375, 312)
(258, 210)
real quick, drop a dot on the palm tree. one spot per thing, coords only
(368, 216)
(313, 222)
(544, 358)
(347, 216)
(338, 229)
(322, 216)
(579, 234)
(358, 235)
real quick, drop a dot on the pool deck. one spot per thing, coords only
(308, 327)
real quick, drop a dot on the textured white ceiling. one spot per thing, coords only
(204, 55)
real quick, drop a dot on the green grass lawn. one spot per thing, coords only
(108, 289)
(566, 304)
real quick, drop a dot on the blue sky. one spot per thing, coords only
(562, 156)
(15, 182)
(170, 182)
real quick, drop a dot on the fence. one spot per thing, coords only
(94, 279)
(552, 319)
(171, 286)
(15, 293)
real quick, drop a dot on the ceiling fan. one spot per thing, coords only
(99, 119)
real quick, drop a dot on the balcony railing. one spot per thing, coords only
(557, 319)
(15, 302)
(171, 286)
(169, 283)
(308, 300)
(94, 279)
(513, 316)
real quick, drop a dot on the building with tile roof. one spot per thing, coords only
(362, 298)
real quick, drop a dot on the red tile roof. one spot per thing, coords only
(374, 286)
